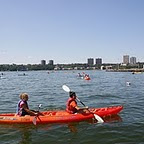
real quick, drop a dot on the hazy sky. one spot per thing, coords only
(70, 31)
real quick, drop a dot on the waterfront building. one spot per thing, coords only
(126, 59)
(98, 61)
(133, 60)
(51, 62)
(90, 61)
(43, 62)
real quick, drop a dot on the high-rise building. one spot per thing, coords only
(43, 62)
(98, 61)
(90, 61)
(126, 59)
(51, 62)
(132, 60)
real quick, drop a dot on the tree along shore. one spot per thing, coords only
(108, 67)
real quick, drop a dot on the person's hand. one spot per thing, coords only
(36, 114)
(86, 107)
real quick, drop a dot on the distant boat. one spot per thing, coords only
(128, 83)
(87, 78)
(1, 77)
(136, 72)
(84, 76)
(22, 74)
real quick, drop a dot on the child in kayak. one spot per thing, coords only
(72, 107)
(22, 107)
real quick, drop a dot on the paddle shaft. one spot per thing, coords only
(98, 118)
(81, 102)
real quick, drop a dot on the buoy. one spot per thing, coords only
(128, 83)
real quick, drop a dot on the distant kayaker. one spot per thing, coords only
(71, 105)
(87, 77)
(22, 107)
(79, 75)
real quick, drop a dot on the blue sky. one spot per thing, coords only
(70, 31)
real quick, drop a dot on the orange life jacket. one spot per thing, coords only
(69, 107)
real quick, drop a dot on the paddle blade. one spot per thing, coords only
(34, 120)
(98, 118)
(66, 88)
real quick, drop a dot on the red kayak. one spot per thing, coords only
(87, 78)
(59, 116)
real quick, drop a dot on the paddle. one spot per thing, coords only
(35, 118)
(98, 118)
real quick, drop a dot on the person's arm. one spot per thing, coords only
(81, 108)
(74, 104)
(32, 113)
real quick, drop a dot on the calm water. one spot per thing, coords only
(104, 89)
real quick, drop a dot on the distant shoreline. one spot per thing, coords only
(125, 70)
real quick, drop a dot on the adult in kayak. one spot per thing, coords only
(23, 108)
(72, 107)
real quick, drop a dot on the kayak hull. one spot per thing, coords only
(59, 116)
(87, 78)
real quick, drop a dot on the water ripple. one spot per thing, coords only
(104, 89)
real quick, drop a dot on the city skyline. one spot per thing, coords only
(70, 31)
(126, 59)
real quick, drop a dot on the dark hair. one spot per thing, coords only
(71, 94)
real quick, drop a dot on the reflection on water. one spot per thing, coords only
(107, 119)
(104, 89)
(20, 133)
(25, 132)
(25, 136)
